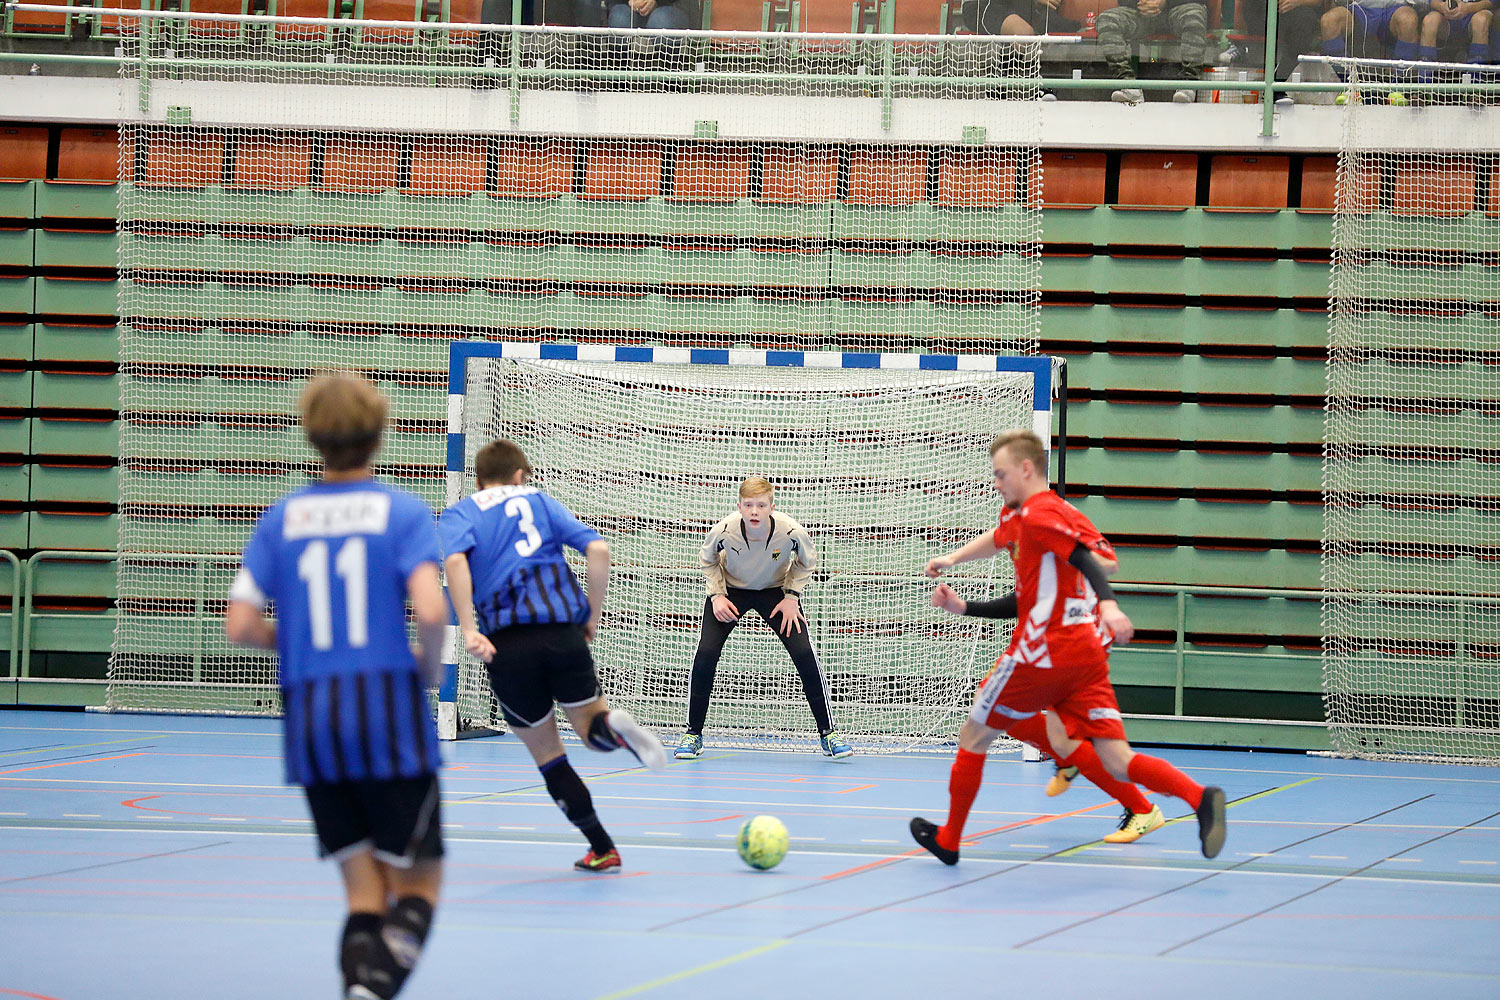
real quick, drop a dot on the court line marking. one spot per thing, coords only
(696, 970)
(1319, 888)
(75, 746)
(111, 864)
(1129, 866)
(69, 763)
(23, 993)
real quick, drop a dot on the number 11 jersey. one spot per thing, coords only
(334, 558)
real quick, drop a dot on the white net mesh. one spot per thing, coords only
(1412, 468)
(870, 462)
(338, 194)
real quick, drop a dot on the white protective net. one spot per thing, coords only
(1411, 664)
(321, 194)
(885, 469)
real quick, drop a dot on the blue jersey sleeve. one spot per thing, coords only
(456, 529)
(417, 540)
(259, 559)
(566, 528)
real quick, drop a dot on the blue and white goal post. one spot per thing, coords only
(882, 457)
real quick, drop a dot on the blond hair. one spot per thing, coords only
(1022, 445)
(343, 416)
(755, 486)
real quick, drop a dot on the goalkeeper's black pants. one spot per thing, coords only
(715, 633)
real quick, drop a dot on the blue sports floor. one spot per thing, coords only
(162, 857)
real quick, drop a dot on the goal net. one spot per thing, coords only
(1411, 569)
(885, 467)
(304, 194)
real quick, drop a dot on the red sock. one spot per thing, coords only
(1034, 732)
(963, 786)
(1091, 767)
(1159, 776)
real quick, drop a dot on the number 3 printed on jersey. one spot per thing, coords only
(521, 507)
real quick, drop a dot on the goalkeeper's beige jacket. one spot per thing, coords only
(786, 559)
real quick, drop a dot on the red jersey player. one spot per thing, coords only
(1046, 732)
(1057, 658)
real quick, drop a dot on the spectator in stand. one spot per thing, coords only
(1121, 26)
(1296, 33)
(1025, 17)
(1454, 21)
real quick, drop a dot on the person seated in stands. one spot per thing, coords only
(1464, 24)
(1296, 33)
(1025, 17)
(1133, 20)
(1378, 28)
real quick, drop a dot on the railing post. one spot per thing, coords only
(1268, 82)
(1181, 652)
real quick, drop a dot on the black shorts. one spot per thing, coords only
(399, 821)
(538, 665)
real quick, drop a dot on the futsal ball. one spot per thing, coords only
(763, 842)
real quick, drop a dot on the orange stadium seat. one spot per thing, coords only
(740, 15)
(887, 176)
(807, 175)
(192, 160)
(88, 154)
(113, 26)
(389, 10)
(1073, 180)
(1442, 188)
(534, 169)
(1319, 187)
(463, 12)
(917, 17)
(361, 165)
(711, 174)
(1158, 180)
(301, 8)
(447, 167)
(23, 152)
(32, 22)
(829, 15)
(976, 178)
(1492, 207)
(622, 171)
(216, 29)
(272, 163)
(1248, 183)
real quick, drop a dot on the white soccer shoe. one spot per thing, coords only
(637, 739)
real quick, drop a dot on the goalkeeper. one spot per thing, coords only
(756, 560)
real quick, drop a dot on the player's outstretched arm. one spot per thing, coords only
(597, 554)
(246, 625)
(1109, 609)
(461, 593)
(981, 547)
(426, 593)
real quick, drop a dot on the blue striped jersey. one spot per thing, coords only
(514, 538)
(333, 559)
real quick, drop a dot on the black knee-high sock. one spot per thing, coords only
(404, 932)
(572, 797)
(360, 948)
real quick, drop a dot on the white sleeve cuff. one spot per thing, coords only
(245, 589)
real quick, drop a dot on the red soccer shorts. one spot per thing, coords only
(1076, 687)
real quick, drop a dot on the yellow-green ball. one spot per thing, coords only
(763, 842)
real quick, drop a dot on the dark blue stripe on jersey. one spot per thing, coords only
(359, 727)
(392, 732)
(362, 709)
(548, 594)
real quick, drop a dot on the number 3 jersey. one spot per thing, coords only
(334, 558)
(514, 538)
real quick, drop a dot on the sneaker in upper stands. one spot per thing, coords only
(1128, 95)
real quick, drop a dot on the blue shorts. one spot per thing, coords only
(1375, 22)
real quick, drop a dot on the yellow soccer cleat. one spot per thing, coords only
(1134, 826)
(1061, 780)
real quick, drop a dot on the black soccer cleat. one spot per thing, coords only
(925, 834)
(1211, 822)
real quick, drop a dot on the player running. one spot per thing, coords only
(531, 625)
(339, 558)
(1057, 660)
(1044, 731)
